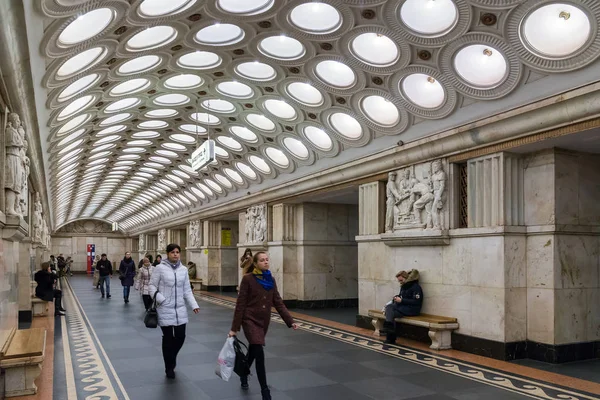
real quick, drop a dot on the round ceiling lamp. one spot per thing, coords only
(152, 125)
(199, 60)
(245, 7)
(256, 71)
(296, 147)
(145, 135)
(230, 143)
(161, 113)
(86, 26)
(81, 61)
(194, 129)
(429, 17)
(380, 110)
(218, 105)
(234, 176)
(235, 89)
(75, 106)
(282, 48)
(259, 164)
(159, 8)
(318, 137)
(423, 90)
(171, 99)
(316, 18)
(183, 81)
(260, 122)
(278, 157)
(139, 65)
(204, 118)
(481, 66)
(346, 125)
(244, 133)
(375, 49)
(336, 74)
(280, 109)
(305, 93)
(77, 87)
(115, 119)
(130, 86)
(111, 130)
(73, 124)
(151, 38)
(556, 30)
(123, 104)
(220, 35)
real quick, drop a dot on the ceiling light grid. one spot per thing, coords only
(76, 87)
(385, 115)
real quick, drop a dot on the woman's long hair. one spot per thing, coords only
(243, 258)
(251, 267)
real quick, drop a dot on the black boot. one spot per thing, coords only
(244, 382)
(387, 327)
(167, 350)
(266, 394)
(390, 338)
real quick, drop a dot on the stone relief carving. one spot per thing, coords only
(24, 194)
(415, 197)
(194, 239)
(13, 185)
(37, 218)
(44, 234)
(142, 242)
(162, 239)
(89, 226)
(256, 224)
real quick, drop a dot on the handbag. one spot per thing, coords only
(151, 317)
(240, 366)
(122, 276)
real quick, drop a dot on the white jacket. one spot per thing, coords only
(173, 288)
(142, 280)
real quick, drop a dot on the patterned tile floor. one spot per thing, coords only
(113, 356)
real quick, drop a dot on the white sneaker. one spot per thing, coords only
(59, 312)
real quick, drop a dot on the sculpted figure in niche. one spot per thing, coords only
(392, 197)
(24, 195)
(248, 227)
(162, 240)
(195, 234)
(430, 191)
(142, 242)
(13, 176)
(406, 198)
(37, 218)
(262, 224)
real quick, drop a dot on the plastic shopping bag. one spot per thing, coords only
(386, 304)
(226, 360)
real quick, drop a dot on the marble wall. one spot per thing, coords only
(9, 288)
(217, 260)
(76, 247)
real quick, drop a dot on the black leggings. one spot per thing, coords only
(148, 301)
(57, 299)
(256, 352)
(172, 342)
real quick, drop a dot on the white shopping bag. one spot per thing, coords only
(226, 360)
(386, 304)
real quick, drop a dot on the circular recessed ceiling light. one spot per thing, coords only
(245, 7)
(375, 49)
(139, 65)
(296, 147)
(556, 30)
(140, 142)
(205, 189)
(161, 160)
(223, 181)
(429, 17)
(181, 174)
(316, 18)
(86, 26)
(151, 38)
(218, 105)
(71, 146)
(229, 142)
(256, 71)
(318, 137)
(481, 66)
(152, 125)
(381, 111)
(169, 183)
(244, 133)
(261, 122)
(183, 81)
(81, 61)
(220, 34)
(221, 152)
(78, 86)
(145, 135)
(133, 150)
(171, 99)
(199, 60)
(107, 139)
(246, 170)
(130, 86)
(158, 8)
(280, 109)
(346, 125)
(98, 155)
(115, 119)
(198, 193)
(180, 137)
(161, 113)
(166, 153)
(173, 146)
(125, 163)
(175, 178)
(305, 93)
(259, 164)
(123, 104)
(74, 123)
(151, 170)
(205, 118)
(193, 129)
(423, 90)
(282, 48)
(234, 175)
(111, 129)
(129, 157)
(75, 106)
(335, 73)
(70, 137)
(235, 89)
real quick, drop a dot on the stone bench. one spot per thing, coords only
(21, 358)
(197, 283)
(440, 328)
(39, 307)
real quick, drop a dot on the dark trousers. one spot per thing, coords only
(147, 301)
(57, 299)
(172, 342)
(256, 353)
(126, 290)
(391, 313)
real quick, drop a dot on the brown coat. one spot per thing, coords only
(253, 309)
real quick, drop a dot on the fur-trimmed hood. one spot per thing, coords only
(413, 275)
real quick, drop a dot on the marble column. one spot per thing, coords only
(284, 250)
(217, 263)
(371, 211)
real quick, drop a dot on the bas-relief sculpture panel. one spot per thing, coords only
(89, 226)
(16, 165)
(255, 226)
(195, 234)
(162, 239)
(415, 198)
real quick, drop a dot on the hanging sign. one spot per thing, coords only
(203, 155)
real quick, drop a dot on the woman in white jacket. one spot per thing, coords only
(170, 279)
(142, 281)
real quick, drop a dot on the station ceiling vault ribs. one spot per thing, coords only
(134, 86)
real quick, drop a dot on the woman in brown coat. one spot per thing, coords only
(258, 293)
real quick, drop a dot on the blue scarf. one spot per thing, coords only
(174, 266)
(264, 278)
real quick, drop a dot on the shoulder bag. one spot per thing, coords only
(240, 366)
(151, 317)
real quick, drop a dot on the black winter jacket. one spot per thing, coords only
(104, 267)
(45, 285)
(412, 296)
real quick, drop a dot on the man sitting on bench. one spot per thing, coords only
(407, 303)
(45, 290)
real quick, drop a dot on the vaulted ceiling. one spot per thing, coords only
(133, 87)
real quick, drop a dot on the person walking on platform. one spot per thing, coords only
(45, 290)
(127, 273)
(258, 293)
(191, 266)
(142, 282)
(105, 271)
(171, 284)
(157, 260)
